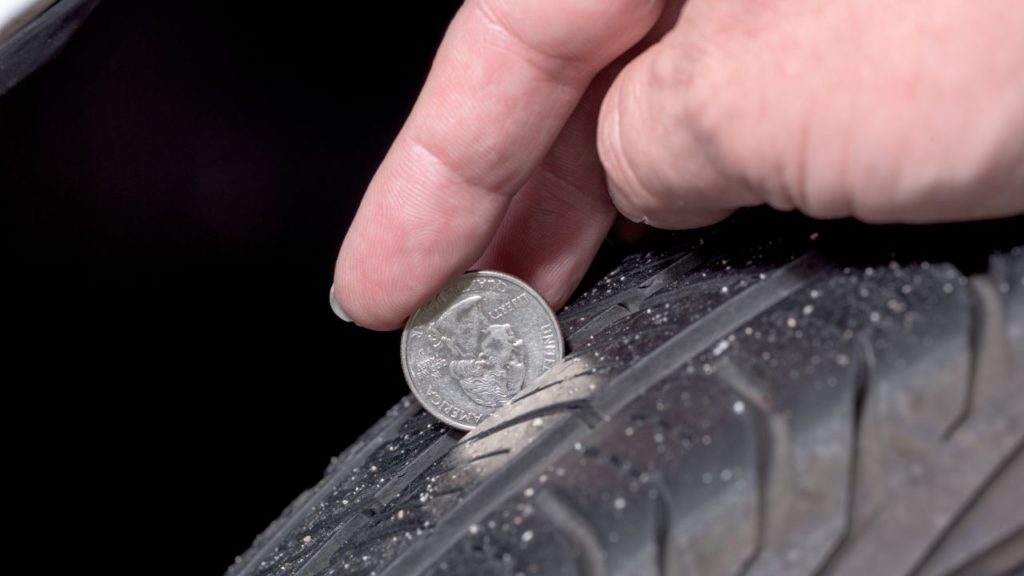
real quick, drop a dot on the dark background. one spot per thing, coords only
(174, 188)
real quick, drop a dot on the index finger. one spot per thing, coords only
(504, 81)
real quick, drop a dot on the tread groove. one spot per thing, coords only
(536, 391)
(1009, 552)
(571, 406)
(867, 368)
(770, 432)
(965, 507)
(566, 516)
(648, 286)
(341, 470)
(695, 338)
(991, 357)
(321, 559)
(600, 322)
(491, 454)
(662, 530)
(559, 382)
(512, 478)
(976, 338)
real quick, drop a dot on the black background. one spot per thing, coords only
(174, 190)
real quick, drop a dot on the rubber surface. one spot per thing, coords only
(769, 396)
(40, 40)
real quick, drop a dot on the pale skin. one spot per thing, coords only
(541, 118)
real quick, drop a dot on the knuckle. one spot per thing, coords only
(572, 30)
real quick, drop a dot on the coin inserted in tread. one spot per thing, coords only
(472, 348)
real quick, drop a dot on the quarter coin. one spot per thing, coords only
(472, 348)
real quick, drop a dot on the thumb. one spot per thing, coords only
(655, 139)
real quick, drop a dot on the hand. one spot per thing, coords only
(910, 111)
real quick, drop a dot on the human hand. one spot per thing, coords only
(888, 112)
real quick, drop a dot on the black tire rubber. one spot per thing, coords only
(769, 396)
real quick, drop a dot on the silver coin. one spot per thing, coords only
(472, 348)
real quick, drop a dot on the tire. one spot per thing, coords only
(769, 396)
(34, 43)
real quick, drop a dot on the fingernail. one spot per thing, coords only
(616, 195)
(337, 307)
